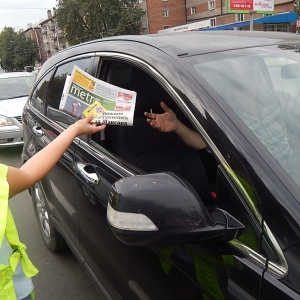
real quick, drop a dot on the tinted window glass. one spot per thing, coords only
(38, 96)
(264, 92)
(56, 89)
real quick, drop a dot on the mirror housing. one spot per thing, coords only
(162, 209)
(290, 71)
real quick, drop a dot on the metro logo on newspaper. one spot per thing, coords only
(82, 94)
(85, 95)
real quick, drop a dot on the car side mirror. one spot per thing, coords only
(162, 209)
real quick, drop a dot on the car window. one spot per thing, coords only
(37, 99)
(56, 88)
(282, 71)
(140, 146)
(263, 90)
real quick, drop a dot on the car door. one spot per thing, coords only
(233, 270)
(120, 271)
(195, 271)
(57, 185)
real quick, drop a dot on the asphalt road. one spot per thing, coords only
(60, 277)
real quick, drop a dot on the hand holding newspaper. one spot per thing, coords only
(85, 95)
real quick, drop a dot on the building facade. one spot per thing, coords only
(183, 15)
(162, 14)
(216, 11)
(34, 33)
(172, 15)
(53, 37)
(49, 38)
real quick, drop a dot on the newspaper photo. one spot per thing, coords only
(84, 95)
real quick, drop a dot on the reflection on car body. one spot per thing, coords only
(151, 218)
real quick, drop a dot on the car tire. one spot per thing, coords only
(52, 238)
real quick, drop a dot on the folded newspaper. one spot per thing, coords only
(84, 95)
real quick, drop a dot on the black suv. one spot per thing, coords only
(148, 216)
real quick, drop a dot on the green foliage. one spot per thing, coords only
(85, 20)
(297, 9)
(16, 51)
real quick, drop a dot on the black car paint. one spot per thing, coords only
(277, 202)
(162, 192)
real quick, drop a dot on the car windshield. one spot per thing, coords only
(14, 87)
(262, 86)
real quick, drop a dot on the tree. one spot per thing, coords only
(85, 20)
(7, 38)
(25, 52)
(297, 8)
(16, 51)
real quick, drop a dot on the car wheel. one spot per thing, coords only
(52, 238)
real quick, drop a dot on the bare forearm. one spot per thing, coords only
(48, 156)
(40, 164)
(190, 137)
(43, 161)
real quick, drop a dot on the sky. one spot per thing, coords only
(18, 13)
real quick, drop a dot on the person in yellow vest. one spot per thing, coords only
(16, 268)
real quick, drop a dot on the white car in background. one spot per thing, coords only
(14, 90)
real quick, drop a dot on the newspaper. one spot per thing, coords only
(84, 95)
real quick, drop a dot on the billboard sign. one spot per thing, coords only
(247, 6)
(241, 5)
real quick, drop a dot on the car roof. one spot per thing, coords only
(198, 42)
(15, 74)
(183, 44)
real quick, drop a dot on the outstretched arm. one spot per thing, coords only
(43, 161)
(168, 122)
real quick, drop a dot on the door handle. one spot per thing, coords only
(37, 131)
(88, 173)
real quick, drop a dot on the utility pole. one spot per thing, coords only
(251, 19)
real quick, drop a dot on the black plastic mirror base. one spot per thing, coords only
(178, 215)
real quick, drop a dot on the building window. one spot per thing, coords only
(283, 27)
(166, 26)
(165, 13)
(212, 22)
(211, 5)
(239, 17)
(269, 27)
(193, 10)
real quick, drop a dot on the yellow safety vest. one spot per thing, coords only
(9, 230)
